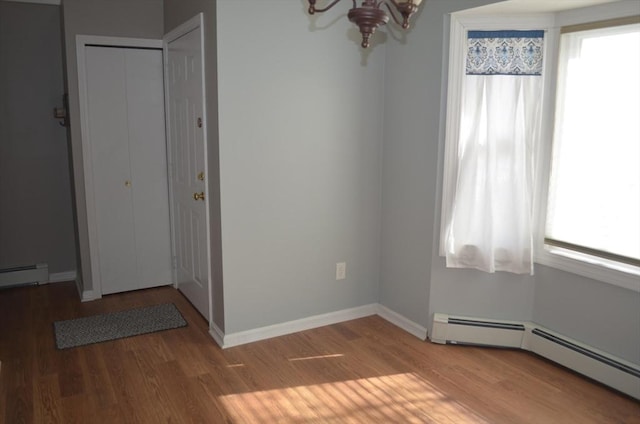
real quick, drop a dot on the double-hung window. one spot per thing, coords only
(593, 206)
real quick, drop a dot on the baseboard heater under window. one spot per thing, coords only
(593, 363)
(30, 274)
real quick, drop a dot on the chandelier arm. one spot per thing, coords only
(312, 7)
(393, 15)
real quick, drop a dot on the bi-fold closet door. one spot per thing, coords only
(125, 111)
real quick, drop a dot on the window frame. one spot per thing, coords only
(551, 23)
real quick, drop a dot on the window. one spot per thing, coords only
(594, 193)
(489, 225)
(593, 207)
(586, 200)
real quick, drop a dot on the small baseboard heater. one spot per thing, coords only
(593, 363)
(30, 274)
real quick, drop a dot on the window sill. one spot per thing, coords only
(621, 275)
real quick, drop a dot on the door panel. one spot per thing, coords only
(106, 95)
(188, 155)
(145, 103)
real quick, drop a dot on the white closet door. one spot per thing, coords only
(147, 147)
(126, 135)
(109, 138)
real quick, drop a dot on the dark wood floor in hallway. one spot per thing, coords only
(361, 371)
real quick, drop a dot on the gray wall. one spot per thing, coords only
(600, 314)
(36, 220)
(175, 13)
(118, 18)
(414, 280)
(300, 150)
(410, 183)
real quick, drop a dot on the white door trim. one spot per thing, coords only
(195, 23)
(82, 41)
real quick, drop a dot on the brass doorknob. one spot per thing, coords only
(198, 196)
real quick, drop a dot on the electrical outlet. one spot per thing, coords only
(341, 270)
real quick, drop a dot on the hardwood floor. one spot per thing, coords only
(361, 371)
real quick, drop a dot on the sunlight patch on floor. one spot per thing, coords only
(307, 358)
(405, 398)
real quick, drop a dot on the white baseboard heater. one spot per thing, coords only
(593, 363)
(30, 274)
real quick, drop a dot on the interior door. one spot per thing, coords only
(188, 179)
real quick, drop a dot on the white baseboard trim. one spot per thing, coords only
(217, 334)
(276, 330)
(86, 295)
(402, 322)
(89, 295)
(243, 337)
(58, 277)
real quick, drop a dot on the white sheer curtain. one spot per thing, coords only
(489, 226)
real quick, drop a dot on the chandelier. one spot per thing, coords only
(370, 15)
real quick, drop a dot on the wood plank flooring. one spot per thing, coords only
(361, 371)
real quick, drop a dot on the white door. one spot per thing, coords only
(188, 164)
(126, 139)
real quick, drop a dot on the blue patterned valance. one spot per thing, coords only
(504, 52)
